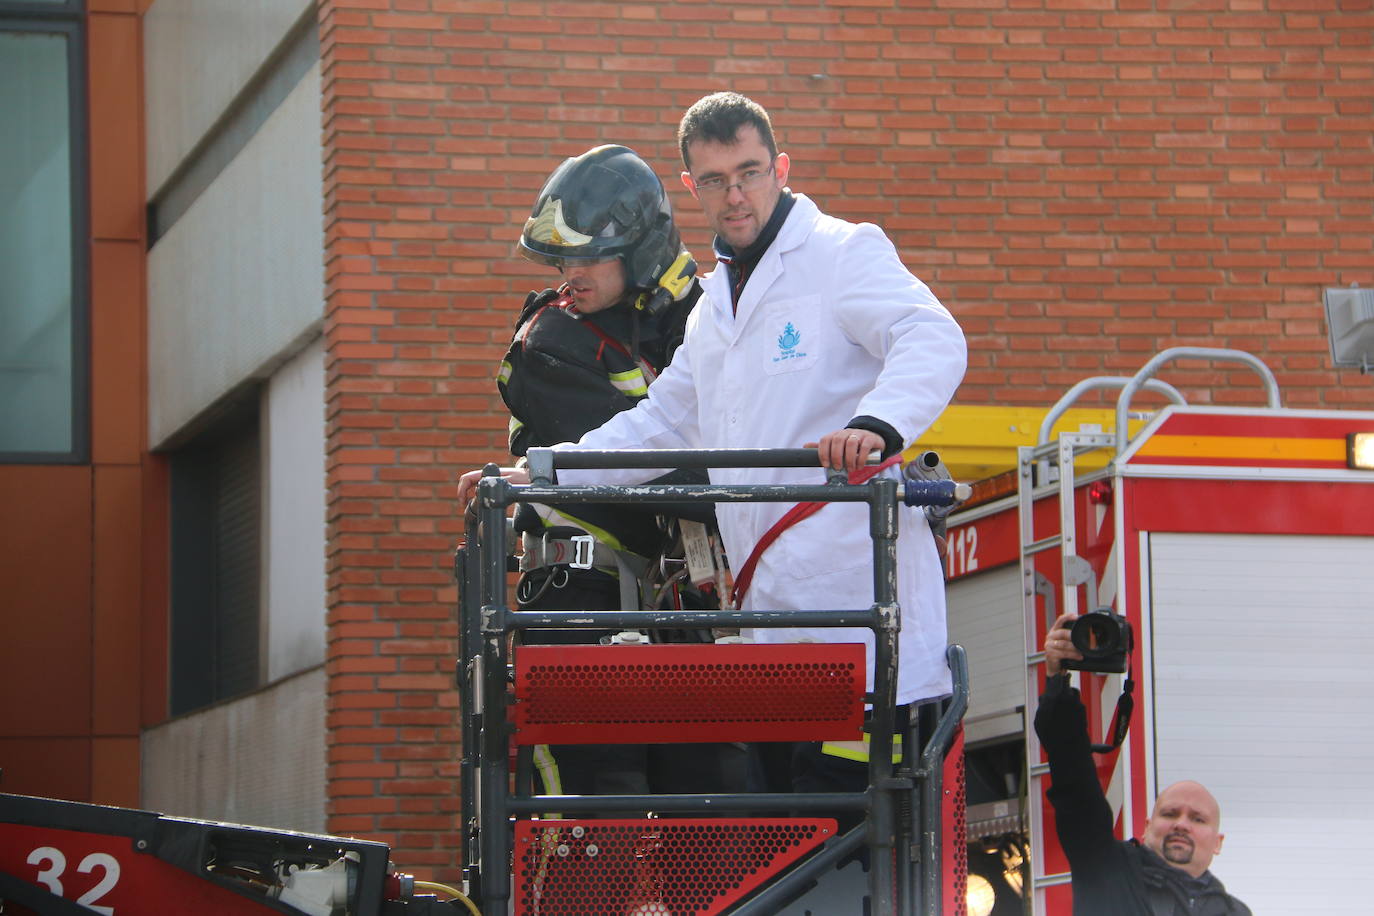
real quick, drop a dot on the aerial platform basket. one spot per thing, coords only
(645, 855)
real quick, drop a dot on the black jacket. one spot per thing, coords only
(1111, 877)
(565, 374)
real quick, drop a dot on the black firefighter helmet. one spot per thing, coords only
(606, 203)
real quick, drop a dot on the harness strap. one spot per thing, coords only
(631, 569)
(565, 302)
(608, 340)
(580, 552)
(791, 517)
(585, 552)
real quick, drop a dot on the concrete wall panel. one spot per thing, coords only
(45, 606)
(117, 359)
(116, 122)
(50, 767)
(118, 560)
(294, 539)
(198, 55)
(237, 284)
(256, 760)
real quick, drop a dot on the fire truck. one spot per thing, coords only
(1238, 542)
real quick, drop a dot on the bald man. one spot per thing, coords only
(1165, 872)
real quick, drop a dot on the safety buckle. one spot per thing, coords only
(582, 551)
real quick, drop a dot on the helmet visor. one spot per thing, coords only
(540, 255)
(549, 238)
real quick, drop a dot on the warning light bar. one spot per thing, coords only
(1359, 451)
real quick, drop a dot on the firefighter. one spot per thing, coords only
(582, 353)
(1165, 873)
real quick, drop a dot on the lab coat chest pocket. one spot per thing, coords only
(791, 341)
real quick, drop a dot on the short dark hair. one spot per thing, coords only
(718, 117)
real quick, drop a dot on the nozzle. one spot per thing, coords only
(927, 466)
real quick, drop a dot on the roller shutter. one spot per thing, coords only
(1263, 664)
(985, 618)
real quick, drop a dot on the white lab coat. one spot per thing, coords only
(831, 326)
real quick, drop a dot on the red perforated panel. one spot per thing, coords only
(688, 693)
(954, 829)
(652, 867)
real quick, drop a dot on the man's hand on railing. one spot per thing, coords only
(847, 449)
(467, 484)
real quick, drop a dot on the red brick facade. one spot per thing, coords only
(1083, 183)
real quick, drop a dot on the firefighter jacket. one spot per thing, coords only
(567, 373)
(1111, 877)
(830, 326)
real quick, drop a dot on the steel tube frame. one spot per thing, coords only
(1071, 397)
(489, 667)
(929, 788)
(697, 804)
(465, 562)
(1147, 371)
(542, 460)
(772, 898)
(554, 494)
(658, 620)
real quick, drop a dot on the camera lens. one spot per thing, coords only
(1097, 635)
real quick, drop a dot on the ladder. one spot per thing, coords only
(1054, 460)
(1046, 471)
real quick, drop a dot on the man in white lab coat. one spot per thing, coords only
(811, 331)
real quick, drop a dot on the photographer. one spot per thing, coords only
(1162, 874)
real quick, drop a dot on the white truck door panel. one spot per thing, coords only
(1263, 672)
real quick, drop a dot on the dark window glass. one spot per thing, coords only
(41, 306)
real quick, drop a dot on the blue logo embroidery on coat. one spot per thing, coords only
(787, 344)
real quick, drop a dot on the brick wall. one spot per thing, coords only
(1083, 183)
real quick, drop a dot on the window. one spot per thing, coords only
(43, 363)
(216, 563)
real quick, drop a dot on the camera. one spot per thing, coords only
(1104, 639)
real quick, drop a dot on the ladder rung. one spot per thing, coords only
(1046, 450)
(1053, 540)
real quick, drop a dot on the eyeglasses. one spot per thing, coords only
(715, 186)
